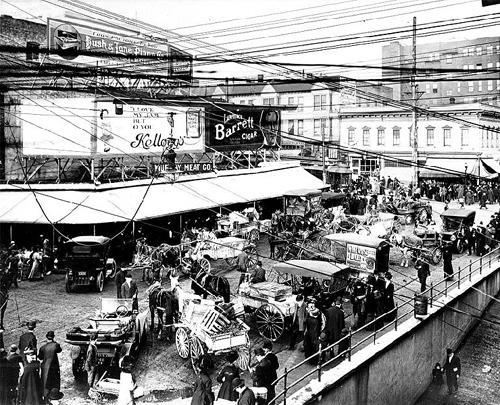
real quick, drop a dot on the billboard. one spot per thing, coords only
(146, 129)
(240, 128)
(88, 127)
(57, 127)
(361, 257)
(74, 43)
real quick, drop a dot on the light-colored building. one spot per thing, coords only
(448, 138)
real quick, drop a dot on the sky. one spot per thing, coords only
(350, 32)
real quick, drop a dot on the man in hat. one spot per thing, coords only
(119, 280)
(247, 397)
(226, 377)
(91, 360)
(273, 373)
(259, 274)
(16, 368)
(334, 324)
(263, 372)
(242, 264)
(130, 290)
(54, 396)
(28, 340)
(51, 373)
(453, 369)
(12, 264)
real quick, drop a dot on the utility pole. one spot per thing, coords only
(414, 85)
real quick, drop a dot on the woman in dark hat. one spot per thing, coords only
(226, 377)
(30, 386)
(127, 382)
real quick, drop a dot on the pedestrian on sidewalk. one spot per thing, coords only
(297, 332)
(226, 377)
(51, 372)
(447, 262)
(453, 370)
(422, 272)
(28, 339)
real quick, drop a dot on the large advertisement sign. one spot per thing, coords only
(361, 257)
(240, 129)
(82, 45)
(57, 127)
(147, 129)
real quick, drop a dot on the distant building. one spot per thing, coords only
(447, 72)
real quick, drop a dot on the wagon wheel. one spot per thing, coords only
(252, 257)
(254, 235)
(270, 321)
(182, 342)
(459, 246)
(197, 348)
(204, 264)
(436, 255)
(243, 361)
(95, 396)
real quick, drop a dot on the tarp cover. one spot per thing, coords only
(144, 199)
(309, 268)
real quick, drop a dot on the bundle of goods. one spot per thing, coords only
(269, 289)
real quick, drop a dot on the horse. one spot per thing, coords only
(205, 283)
(163, 303)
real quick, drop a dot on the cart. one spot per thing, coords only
(229, 248)
(418, 211)
(120, 332)
(431, 248)
(242, 224)
(210, 327)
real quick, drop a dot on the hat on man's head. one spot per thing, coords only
(238, 383)
(55, 394)
(449, 351)
(50, 334)
(259, 352)
(232, 357)
(13, 348)
(31, 325)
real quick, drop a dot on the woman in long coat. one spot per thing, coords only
(313, 326)
(388, 299)
(226, 377)
(30, 386)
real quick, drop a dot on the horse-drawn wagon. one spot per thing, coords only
(228, 248)
(413, 211)
(120, 332)
(208, 326)
(245, 224)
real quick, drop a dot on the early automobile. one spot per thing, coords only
(87, 263)
(454, 223)
(413, 212)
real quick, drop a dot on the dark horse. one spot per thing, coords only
(165, 305)
(204, 283)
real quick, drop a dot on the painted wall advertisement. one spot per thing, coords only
(147, 129)
(243, 129)
(361, 257)
(79, 44)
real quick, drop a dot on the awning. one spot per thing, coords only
(339, 170)
(436, 168)
(145, 199)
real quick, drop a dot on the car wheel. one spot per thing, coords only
(99, 283)
(460, 247)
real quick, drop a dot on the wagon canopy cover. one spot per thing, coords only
(310, 268)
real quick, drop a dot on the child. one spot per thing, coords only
(344, 344)
(437, 375)
(406, 254)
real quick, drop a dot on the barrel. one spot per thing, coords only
(420, 305)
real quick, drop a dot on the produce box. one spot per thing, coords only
(214, 321)
(270, 289)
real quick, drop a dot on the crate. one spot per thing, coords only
(269, 289)
(227, 341)
(214, 321)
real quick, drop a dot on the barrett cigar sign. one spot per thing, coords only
(361, 257)
(242, 129)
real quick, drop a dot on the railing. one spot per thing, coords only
(433, 293)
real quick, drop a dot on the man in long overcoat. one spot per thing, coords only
(334, 323)
(130, 290)
(51, 373)
(453, 369)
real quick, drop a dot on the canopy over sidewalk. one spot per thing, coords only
(145, 199)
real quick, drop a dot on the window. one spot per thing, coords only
(317, 127)
(434, 88)
(490, 85)
(316, 103)
(351, 136)
(242, 101)
(465, 136)
(449, 93)
(381, 136)
(479, 85)
(366, 136)
(430, 136)
(320, 102)
(396, 136)
(471, 67)
(291, 100)
(489, 50)
(466, 68)
(458, 87)
(268, 101)
(291, 127)
(323, 127)
(449, 59)
(479, 66)
(483, 137)
(471, 87)
(465, 52)
(427, 88)
(300, 103)
(471, 51)
(300, 127)
(447, 136)
(489, 65)
(479, 51)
